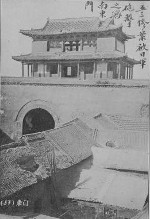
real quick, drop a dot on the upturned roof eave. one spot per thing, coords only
(29, 58)
(132, 61)
(32, 32)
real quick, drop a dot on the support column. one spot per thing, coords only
(71, 45)
(58, 70)
(77, 45)
(28, 69)
(78, 70)
(106, 69)
(119, 68)
(22, 69)
(43, 69)
(132, 72)
(31, 70)
(81, 44)
(127, 72)
(94, 68)
(32, 74)
(49, 70)
(63, 46)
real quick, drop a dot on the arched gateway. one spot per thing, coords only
(35, 116)
(37, 120)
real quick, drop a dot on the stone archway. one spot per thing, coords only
(36, 107)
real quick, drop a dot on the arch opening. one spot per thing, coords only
(37, 120)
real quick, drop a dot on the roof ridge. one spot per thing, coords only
(108, 21)
(74, 18)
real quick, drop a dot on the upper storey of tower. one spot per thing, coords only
(78, 26)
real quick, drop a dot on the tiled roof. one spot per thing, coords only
(74, 25)
(68, 145)
(130, 123)
(13, 176)
(74, 138)
(124, 132)
(124, 122)
(74, 56)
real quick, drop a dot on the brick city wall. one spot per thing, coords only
(66, 100)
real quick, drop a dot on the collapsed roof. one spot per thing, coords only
(110, 188)
(37, 155)
(114, 179)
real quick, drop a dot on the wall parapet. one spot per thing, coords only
(75, 82)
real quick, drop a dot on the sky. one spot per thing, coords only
(27, 14)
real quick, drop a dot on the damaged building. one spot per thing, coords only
(64, 172)
(112, 187)
(31, 167)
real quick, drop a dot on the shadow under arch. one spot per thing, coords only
(37, 120)
(36, 107)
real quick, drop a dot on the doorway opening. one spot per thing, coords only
(37, 120)
(69, 71)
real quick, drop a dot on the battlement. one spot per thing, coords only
(73, 82)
